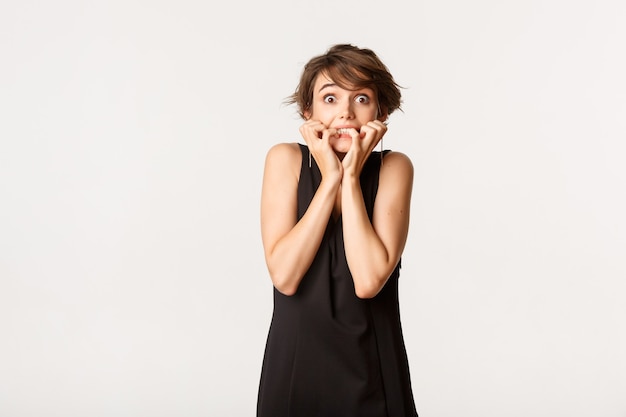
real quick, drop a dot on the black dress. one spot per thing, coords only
(330, 353)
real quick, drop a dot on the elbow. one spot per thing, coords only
(370, 285)
(286, 290)
(365, 295)
(367, 291)
(283, 285)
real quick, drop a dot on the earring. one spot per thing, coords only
(386, 122)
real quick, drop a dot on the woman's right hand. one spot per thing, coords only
(317, 138)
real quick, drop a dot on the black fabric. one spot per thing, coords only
(330, 353)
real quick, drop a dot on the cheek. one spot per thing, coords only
(323, 115)
(367, 114)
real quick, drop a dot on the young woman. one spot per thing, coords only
(334, 223)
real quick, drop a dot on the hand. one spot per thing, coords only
(317, 138)
(363, 143)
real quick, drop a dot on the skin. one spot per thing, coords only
(373, 249)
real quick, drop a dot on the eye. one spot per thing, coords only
(329, 98)
(362, 98)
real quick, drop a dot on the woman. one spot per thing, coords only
(334, 223)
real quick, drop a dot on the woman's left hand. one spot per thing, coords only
(363, 143)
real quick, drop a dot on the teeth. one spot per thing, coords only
(343, 130)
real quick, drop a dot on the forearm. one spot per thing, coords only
(367, 256)
(292, 255)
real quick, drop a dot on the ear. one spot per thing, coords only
(382, 114)
(307, 114)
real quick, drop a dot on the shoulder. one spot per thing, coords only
(396, 163)
(395, 181)
(284, 156)
(284, 151)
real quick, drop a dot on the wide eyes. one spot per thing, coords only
(360, 98)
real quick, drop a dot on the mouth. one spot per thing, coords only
(346, 130)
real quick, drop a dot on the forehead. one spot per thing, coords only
(323, 79)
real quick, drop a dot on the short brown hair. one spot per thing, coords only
(349, 67)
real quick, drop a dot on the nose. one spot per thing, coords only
(346, 112)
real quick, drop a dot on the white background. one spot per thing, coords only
(133, 136)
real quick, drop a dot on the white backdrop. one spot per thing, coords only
(133, 135)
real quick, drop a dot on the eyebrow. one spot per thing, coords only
(327, 85)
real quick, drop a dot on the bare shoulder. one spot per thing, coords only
(396, 164)
(284, 151)
(284, 156)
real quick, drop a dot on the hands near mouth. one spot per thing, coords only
(317, 137)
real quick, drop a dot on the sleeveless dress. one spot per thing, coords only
(328, 352)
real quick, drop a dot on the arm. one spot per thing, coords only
(373, 249)
(290, 245)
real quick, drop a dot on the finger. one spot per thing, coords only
(327, 134)
(375, 125)
(369, 136)
(355, 134)
(373, 131)
(311, 130)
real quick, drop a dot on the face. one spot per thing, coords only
(341, 109)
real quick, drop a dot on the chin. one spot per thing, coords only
(342, 145)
